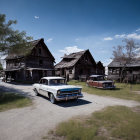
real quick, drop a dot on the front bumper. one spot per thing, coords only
(111, 87)
(69, 97)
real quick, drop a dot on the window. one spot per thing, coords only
(81, 71)
(63, 71)
(27, 74)
(100, 78)
(70, 71)
(57, 82)
(40, 62)
(44, 82)
(39, 51)
(93, 78)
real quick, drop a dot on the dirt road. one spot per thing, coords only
(31, 123)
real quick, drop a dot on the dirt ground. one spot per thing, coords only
(32, 123)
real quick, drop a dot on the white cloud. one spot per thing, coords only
(108, 38)
(70, 49)
(49, 40)
(138, 30)
(128, 36)
(132, 35)
(36, 17)
(120, 36)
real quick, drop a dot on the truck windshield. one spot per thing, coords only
(57, 82)
(100, 78)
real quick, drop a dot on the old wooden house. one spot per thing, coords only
(39, 62)
(127, 72)
(76, 65)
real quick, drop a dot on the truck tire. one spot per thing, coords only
(52, 98)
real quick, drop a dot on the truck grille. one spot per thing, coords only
(70, 92)
(108, 84)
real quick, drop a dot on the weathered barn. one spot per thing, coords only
(125, 71)
(32, 66)
(100, 69)
(76, 65)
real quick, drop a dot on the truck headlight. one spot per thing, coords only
(79, 91)
(58, 92)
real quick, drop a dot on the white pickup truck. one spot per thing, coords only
(56, 89)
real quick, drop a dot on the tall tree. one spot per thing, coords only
(125, 54)
(12, 41)
(128, 52)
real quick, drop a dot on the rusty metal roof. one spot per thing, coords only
(69, 60)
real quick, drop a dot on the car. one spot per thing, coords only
(99, 81)
(56, 89)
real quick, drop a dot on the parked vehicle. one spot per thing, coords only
(99, 81)
(56, 89)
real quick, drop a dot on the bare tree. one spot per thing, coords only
(118, 53)
(125, 54)
(132, 49)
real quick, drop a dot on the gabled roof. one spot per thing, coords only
(71, 59)
(133, 63)
(99, 63)
(75, 55)
(34, 43)
(22, 54)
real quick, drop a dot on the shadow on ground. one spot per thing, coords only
(20, 83)
(69, 103)
(13, 90)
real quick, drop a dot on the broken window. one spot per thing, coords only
(40, 62)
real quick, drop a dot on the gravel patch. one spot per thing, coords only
(31, 123)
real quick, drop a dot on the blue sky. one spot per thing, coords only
(74, 25)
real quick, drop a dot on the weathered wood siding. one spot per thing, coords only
(31, 67)
(40, 58)
(85, 66)
(15, 63)
(129, 74)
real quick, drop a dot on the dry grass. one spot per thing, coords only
(123, 91)
(13, 100)
(112, 123)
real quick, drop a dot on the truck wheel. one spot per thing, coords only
(52, 98)
(36, 92)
